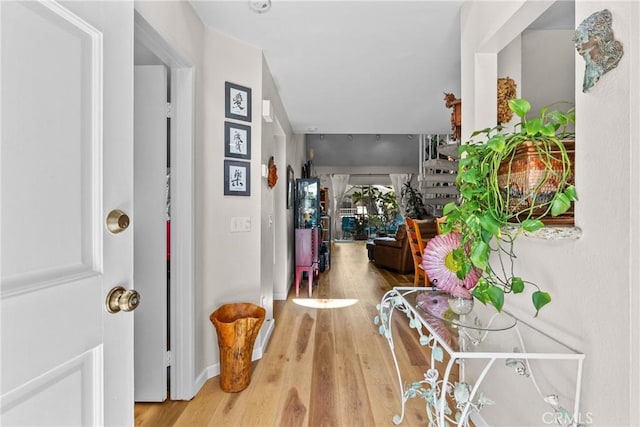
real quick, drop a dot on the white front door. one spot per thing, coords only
(66, 162)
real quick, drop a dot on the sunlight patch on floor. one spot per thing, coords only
(324, 302)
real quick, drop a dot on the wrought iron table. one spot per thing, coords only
(483, 335)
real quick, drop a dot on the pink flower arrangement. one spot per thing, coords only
(441, 267)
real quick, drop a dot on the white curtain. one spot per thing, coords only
(339, 184)
(398, 181)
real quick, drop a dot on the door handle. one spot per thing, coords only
(121, 299)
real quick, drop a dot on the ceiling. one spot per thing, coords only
(359, 67)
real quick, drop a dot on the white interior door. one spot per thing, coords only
(66, 116)
(150, 244)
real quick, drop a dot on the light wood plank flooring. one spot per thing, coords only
(322, 367)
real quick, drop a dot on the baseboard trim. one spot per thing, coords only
(205, 375)
(280, 296)
(269, 326)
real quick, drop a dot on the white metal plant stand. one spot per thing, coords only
(484, 335)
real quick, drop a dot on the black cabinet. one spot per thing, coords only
(307, 203)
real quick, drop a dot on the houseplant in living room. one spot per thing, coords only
(499, 201)
(381, 207)
(388, 209)
(412, 201)
(364, 201)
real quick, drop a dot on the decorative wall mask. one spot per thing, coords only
(273, 173)
(594, 41)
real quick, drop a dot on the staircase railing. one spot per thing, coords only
(438, 171)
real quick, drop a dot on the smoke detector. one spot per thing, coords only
(261, 6)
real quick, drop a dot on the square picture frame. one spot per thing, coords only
(237, 178)
(237, 140)
(237, 102)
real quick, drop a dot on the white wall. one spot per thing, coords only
(601, 268)
(592, 280)
(548, 74)
(510, 65)
(228, 265)
(633, 52)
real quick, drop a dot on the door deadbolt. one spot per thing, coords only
(117, 221)
(121, 299)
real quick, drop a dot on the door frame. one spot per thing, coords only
(182, 266)
(281, 270)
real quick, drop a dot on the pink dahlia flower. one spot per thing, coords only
(441, 267)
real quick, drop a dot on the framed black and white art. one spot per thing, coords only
(237, 178)
(237, 102)
(237, 140)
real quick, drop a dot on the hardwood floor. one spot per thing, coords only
(322, 367)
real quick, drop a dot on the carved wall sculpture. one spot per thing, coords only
(450, 101)
(595, 42)
(507, 89)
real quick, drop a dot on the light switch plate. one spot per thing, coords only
(240, 224)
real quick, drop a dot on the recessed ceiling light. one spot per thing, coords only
(312, 129)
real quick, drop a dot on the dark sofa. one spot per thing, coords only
(393, 252)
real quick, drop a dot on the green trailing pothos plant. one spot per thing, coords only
(489, 200)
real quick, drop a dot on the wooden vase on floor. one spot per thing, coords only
(237, 326)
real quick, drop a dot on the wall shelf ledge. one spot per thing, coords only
(549, 232)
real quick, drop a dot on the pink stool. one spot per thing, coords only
(310, 269)
(306, 256)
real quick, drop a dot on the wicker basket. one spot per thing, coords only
(529, 173)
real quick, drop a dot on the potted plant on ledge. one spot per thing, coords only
(493, 195)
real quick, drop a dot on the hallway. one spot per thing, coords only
(322, 367)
